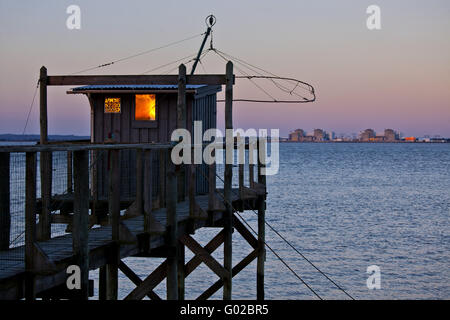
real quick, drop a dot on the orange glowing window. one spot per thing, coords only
(112, 105)
(145, 107)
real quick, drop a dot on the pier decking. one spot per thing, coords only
(60, 253)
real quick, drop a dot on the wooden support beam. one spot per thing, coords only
(30, 224)
(204, 255)
(44, 226)
(80, 230)
(172, 232)
(140, 183)
(228, 223)
(245, 233)
(149, 283)
(5, 214)
(114, 217)
(192, 187)
(163, 154)
(210, 247)
(261, 222)
(102, 283)
(181, 269)
(212, 186)
(136, 280)
(75, 80)
(43, 82)
(238, 268)
(148, 191)
(181, 123)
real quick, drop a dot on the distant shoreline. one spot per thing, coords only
(36, 137)
(433, 142)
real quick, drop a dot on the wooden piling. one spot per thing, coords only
(172, 229)
(112, 268)
(80, 233)
(181, 123)
(228, 217)
(261, 223)
(5, 214)
(140, 181)
(44, 226)
(147, 189)
(162, 178)
(30, 224)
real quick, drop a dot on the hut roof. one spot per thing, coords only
(197, 89)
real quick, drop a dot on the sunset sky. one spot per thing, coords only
(397, 77)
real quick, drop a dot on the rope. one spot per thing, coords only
(271, 77)
(265, 243)
(139, 54)
(168, 64)
(31, 107)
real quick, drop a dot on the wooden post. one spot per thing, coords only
(181, 123)
(44, 229)
(261, 224)
(80, 231)
(147, 189)
(69, 172)
(228, 216)
(251, 161)
(172, 229)
(5, 214)
(43, 105)
(181, 270)
(192, 186)
(140, 181)
(30, 224)
(112, 269)
(102, 283)
(162, 177)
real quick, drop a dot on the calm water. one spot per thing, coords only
(346, 207)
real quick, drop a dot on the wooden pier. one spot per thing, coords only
(151, 223)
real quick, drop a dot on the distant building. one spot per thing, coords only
(390, 135)
(296, 135)
(367, 135)
(318, 135)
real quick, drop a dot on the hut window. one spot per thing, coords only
(145, 108)
(112, 105)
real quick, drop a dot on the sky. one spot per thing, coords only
(397, 77)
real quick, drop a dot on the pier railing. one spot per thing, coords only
(71, 186)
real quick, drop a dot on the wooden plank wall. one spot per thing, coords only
(119, 128)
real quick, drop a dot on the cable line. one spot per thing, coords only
(139, 54)
(31, 107)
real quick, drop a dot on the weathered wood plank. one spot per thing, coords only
(74, 80)
(204, 255)
(30, 224)
(80, 233)
(238, 268)
(228, 222)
